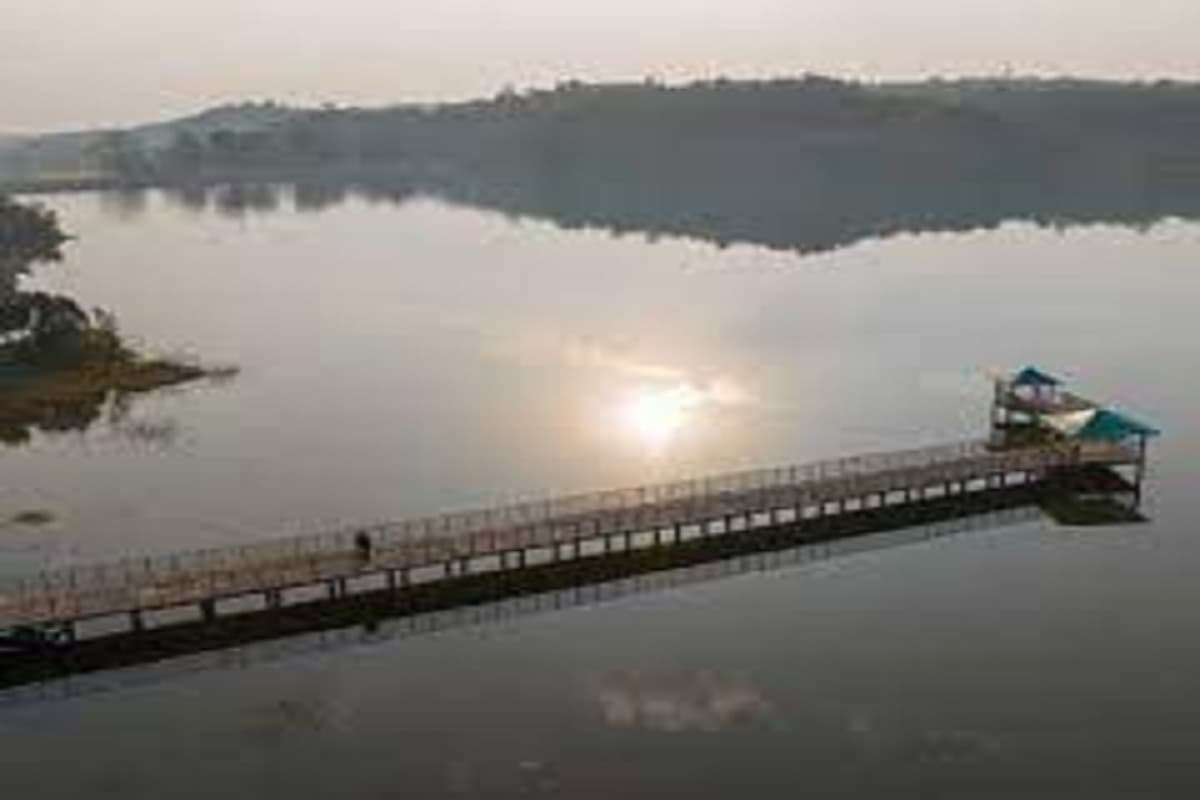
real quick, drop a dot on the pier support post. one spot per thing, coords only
(1139, 473)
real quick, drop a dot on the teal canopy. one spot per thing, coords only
(1032, 376)
(1109, 426)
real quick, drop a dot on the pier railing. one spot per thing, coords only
(159, 581)
(503, 610)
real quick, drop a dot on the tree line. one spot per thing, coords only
(737, 131)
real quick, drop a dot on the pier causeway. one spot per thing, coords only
(1038, 434)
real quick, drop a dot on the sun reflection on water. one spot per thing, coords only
(659, 416)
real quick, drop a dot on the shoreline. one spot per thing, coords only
(74, 397)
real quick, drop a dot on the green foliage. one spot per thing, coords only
(28, 233)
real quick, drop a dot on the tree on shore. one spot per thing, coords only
(28, 233)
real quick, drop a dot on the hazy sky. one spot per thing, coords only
(66, 63)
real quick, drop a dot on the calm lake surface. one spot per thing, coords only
(398, 360)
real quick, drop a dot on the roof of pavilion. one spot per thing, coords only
(1032, 376)
(1109, 425)
(1098, 424)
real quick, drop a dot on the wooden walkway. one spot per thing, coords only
(285, 571)
(122, 665)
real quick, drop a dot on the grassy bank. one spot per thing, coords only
(75, 395)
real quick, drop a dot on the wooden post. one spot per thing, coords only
(1141, 463)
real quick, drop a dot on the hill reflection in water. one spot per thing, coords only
(818, 214)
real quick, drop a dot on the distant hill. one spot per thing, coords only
(238, 117)
(80, 154)
(809, 163)
(721, 125)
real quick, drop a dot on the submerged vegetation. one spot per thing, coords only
(61, 367)
(32, 518)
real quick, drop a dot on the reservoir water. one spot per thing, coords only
(398, 359)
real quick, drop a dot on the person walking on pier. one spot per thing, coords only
(362, 546)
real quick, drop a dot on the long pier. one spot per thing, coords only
(1038, 433)
(266, 636)
(280, 572)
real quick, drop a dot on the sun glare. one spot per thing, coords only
(657, 416)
